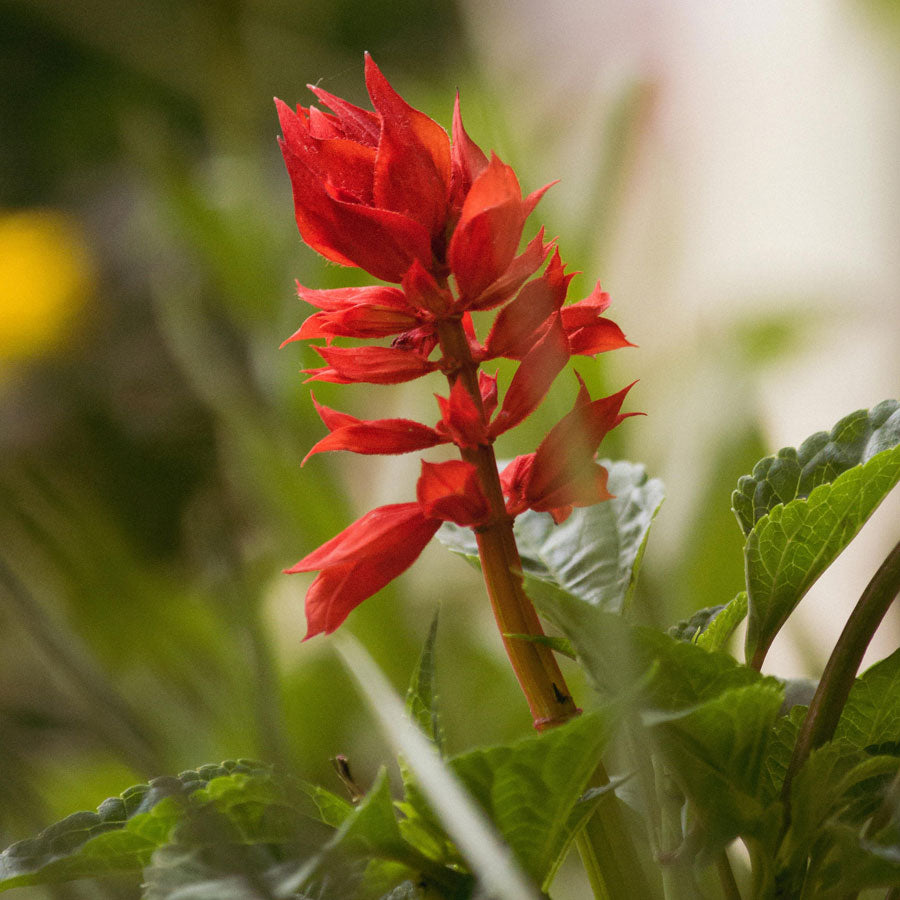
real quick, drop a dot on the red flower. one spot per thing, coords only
(361, 560)
(561, 473)
(587, 332)
(450, 491)
(370, 189)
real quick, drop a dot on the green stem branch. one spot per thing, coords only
(840, 672)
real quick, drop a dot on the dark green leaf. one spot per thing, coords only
(793, 473)
(531, 789)
(872, 714)
(716, 751)
(595, 553)
(790, 546)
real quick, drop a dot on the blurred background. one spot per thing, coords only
(729, 172)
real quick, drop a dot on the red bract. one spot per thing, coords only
(373, 365)
(450, 491)
(361, 560)
(561, 473)
(378, 436)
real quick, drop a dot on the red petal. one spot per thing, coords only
(382, 242)
(376, 436)
(358, 124)
(487, 235)
(567, 451)
(380, 532)
(599, 337)
(533, 378)
(461, 417)
(514, 480)
(412, 168)
(520, 323)
(372, 365)
(450, 491)
(586, 489)
(423, 292)
(487, 384)
(343, 298)
(519, 271)
(467, 160)
(396, 536)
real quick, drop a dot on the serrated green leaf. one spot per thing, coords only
(595, 553)
(854, 864)
(120, 836)
(716, 751)
(794, 473)
(871, 716)
(719, 631)
(691, 628)
(421, 700)
(792, 545)
(780, 749)
(530, 789)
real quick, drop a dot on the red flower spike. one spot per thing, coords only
(521, 323)
(487, 235)
(467, 160)
(355, 123)
(533, 378)
(372, 437)
(371, 365)
(450, 491)
(424, 293)
(361, 560)
(461, 419)
(519, 271)
(412, 167)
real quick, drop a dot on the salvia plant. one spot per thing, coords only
(693, 774)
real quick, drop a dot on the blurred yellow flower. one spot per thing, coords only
(45, 275)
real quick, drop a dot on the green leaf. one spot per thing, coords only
(531, 789)
(790, 546)
(716, 752)
(421, 701)
(871, 717)
(691, 628)
(794, 473)
(594, 555)
(719, 631)
(121, 835)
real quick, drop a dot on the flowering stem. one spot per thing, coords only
(535, 666)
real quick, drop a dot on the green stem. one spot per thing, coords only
(534, 664)
(840, 672)
(591, 863)
(726, 877)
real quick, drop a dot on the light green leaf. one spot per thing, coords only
(716, 751)
(123, 833)
(872, 714)
(691, 628)
(794, 473)
(719, 631)
(790, 546)
(594, 555)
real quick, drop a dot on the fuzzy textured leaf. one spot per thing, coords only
(595, 553)
(794, 473)
(122, 835)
